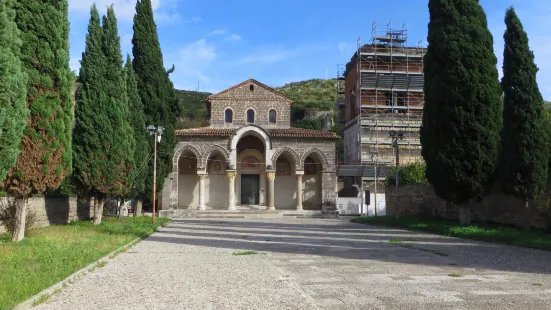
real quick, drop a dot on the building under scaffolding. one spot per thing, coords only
(383, 90)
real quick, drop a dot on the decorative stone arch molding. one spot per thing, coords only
(294, 155)
(210, 150)
(323, 158)
(180, 148)
(250, 130)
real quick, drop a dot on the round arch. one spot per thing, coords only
(294, 155)
(210, 150)
(254, 131)
(179, 150)
(322, 157)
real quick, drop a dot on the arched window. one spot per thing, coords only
(228, 116)
(272, 116)
(250, 116)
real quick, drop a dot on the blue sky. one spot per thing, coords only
(221, 43)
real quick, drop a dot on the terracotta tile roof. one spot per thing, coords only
(301, 133)
(275, 132)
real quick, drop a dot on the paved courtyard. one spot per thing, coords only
(311, 264)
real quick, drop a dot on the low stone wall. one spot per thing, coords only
(496, 208)
(57, 210)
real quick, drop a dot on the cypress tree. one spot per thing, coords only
(462, 111)
(103, 138)
(45, 157)
(13, 90)
(524, 152)
(141, 153)
(155, 89)
(88, 153)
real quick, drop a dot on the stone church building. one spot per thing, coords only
(250, 156)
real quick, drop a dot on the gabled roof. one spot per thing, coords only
(249, 81)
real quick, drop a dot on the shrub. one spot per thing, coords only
(407, 175)
(7, 215)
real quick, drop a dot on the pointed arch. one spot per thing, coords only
(320, 155)
(180, 148)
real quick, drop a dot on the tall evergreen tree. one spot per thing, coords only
(89, 156)
(13, 90)
(155, 89)
(462, 112)
(141, 154)
(524, 152)
(103, 138)
(45, 158)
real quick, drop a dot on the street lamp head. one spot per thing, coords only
(160, 130)
(151, 129)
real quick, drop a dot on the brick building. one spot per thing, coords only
(251, 156)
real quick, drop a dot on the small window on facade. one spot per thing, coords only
(228, 117)
(272, 117)
(250, 116)
(251, 87)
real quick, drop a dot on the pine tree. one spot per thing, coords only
(141, 153)
(103, 138)
(462, 111)
(524, 152)
(13, 91)
(45, 157)
(155, 89)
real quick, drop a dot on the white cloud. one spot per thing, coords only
(192, 63)
(344, 48)
(234, 37)
(125, 9)
(218, 32)
(194, 20)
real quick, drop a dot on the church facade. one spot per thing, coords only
(250, 156)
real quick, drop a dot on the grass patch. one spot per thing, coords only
(50, 254)
(400, 243)
(537, 284)
(244, 253)
(454, 275)
(478, 231)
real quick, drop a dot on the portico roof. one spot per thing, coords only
(273, 132)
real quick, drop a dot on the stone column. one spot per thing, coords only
(202, 192)
(299, 189)
(271, 186)
(231, 194)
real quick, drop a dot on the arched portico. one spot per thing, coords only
(254, 131)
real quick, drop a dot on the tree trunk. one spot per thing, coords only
(526, 215)
(20, 219)
(138, 209)
(464, 215)
(92, 206)
(98, 210)
(121, 208)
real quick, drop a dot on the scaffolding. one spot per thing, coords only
(388, 94)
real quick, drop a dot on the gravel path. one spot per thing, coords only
(311, 264)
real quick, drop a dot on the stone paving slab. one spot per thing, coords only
(311, 264)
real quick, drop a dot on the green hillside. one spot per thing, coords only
(315, 94)
(311, 94)
(194, 109)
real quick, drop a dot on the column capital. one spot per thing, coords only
(271, 175)
(202, 176)
(299, 173)
(231, 174)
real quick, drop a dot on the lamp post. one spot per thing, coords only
(395, 135)
(157, 132)
(375, 158)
